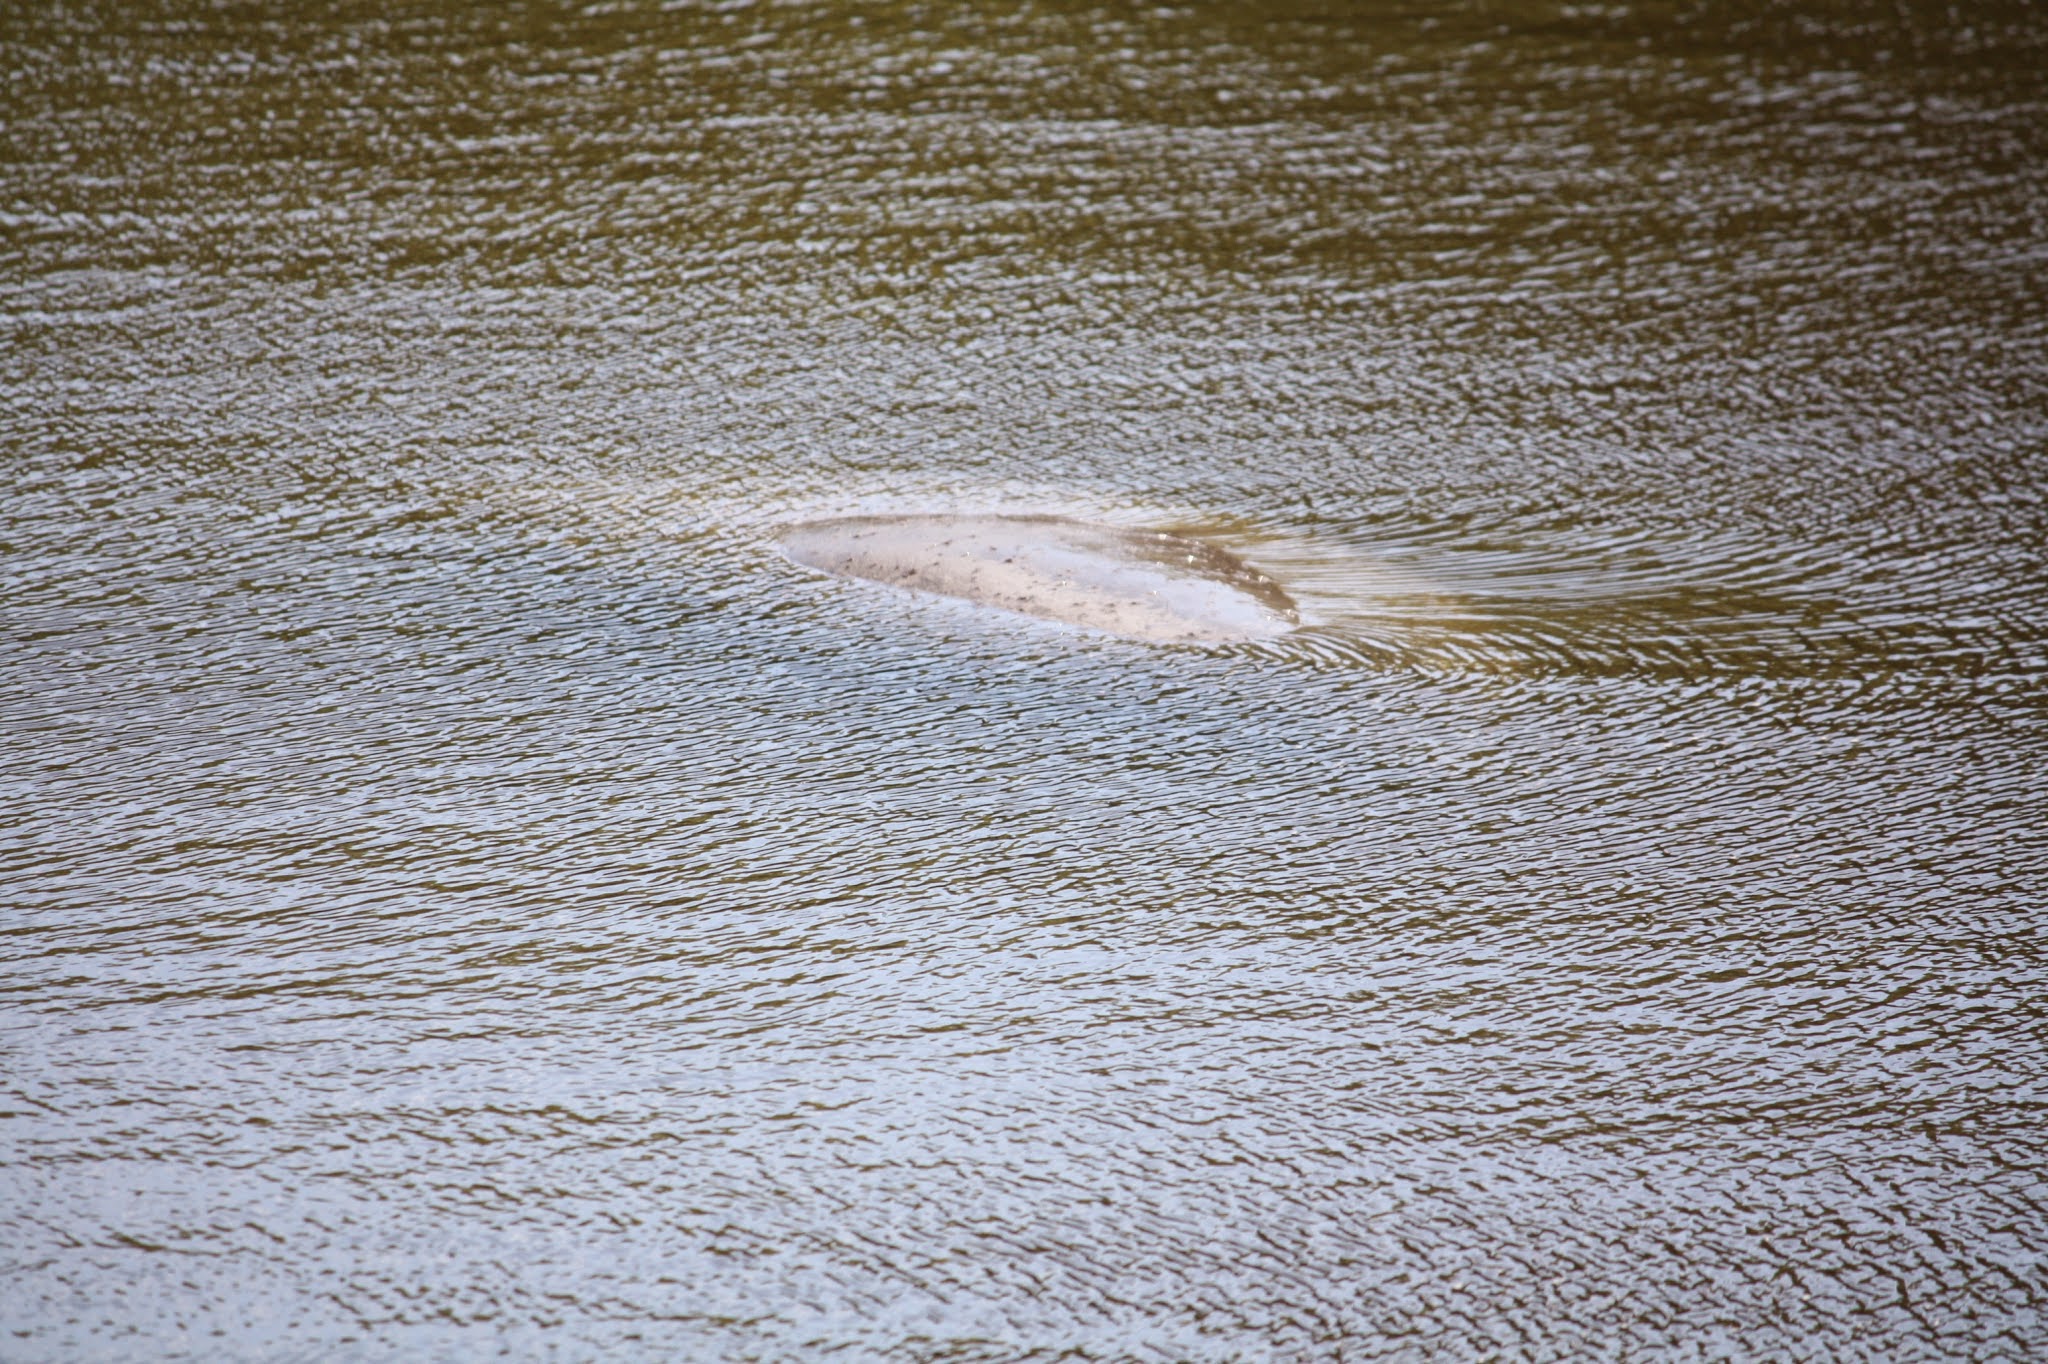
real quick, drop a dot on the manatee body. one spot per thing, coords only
(1139, 583)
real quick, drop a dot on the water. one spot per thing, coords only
(467, 891)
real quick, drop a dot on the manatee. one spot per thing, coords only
(1144, 584)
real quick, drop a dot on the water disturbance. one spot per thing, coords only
(490, 866)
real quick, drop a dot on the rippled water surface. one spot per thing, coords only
(465, 889)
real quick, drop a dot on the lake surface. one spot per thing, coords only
(466, 890)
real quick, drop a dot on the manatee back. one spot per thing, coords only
(1142, 584)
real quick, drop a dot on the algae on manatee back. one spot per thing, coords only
(1142, 584)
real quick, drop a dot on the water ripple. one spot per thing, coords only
(466, 891)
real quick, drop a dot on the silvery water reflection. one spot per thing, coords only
(467, 890)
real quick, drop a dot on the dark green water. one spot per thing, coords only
(463, 889)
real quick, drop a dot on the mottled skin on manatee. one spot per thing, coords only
(1139, 583)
